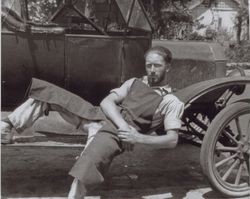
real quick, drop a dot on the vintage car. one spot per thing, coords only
(219, 122)
(89, 55)
(217, 113)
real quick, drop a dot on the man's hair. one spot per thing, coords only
(160, 50)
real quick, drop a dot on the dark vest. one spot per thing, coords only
(140, 105)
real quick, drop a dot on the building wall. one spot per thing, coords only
(219, 16)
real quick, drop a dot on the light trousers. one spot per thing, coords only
(31, 110)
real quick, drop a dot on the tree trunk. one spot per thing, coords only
(248, 27)
(239, 29)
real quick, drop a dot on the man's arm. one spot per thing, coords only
(109, 104)
(129, 134)
(172, 110)
(165, 141)
(109, 107)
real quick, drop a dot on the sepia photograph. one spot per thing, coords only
(125, 99)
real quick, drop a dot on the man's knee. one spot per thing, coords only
(96, 159)
(104, 147)
(86, 171)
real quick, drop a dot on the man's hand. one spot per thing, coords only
(127, 142)
(130, 136)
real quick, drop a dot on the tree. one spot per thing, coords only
(171, 19)
(239, 51)
(40, 11)
(241, 21)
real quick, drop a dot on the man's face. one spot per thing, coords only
(156, 68)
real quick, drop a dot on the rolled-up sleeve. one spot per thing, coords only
(122, 91)
(172, 109)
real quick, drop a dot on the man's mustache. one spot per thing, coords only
(152, 78)
(152, 75)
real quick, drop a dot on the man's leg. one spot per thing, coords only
(77, 190)
(92, 165)
(27, 113)
(91, 127)
(21, 118)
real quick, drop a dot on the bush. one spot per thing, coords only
(238, 52)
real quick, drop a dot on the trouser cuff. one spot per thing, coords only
(86, 171)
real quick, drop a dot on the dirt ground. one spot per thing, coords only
(41, 171)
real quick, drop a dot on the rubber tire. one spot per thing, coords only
(210, 139)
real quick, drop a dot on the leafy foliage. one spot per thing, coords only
(238, 52)
(40, 11)
(171, 19)
(241, 20)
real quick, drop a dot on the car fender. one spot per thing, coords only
(210, 90)
(247, 100)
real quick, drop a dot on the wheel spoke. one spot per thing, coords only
(243, 184)
(248, 130)
(226, 175)
(225, 160)
(237, 179)
(230, 137)
(226, 149)
(246, 157)
(245, 167)
(238, 126)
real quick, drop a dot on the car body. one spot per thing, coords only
(66, 45)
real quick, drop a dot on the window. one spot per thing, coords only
(219, 23)
(226, 4)
(41, 11)
(12, 6)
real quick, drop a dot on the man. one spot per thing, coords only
(126, 117)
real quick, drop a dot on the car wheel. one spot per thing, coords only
(225, 151)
